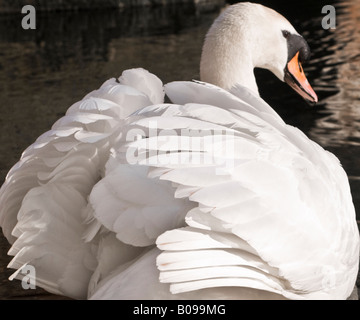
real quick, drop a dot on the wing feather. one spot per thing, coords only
(262, 196)
(44, 201)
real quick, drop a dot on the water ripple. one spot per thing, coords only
(337, 63)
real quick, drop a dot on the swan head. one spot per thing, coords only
(247, 36)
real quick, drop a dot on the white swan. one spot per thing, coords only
(213, 196)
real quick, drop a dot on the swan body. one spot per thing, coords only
(211, 196)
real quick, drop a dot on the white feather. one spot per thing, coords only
(44, 198)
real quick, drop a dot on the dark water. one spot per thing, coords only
(44, 71)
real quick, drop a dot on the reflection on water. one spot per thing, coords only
(341, 73)
(44, 71)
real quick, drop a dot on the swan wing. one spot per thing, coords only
(272, 210)
(238, 202)
(44, 207)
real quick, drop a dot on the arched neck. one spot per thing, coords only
(228, 58)
(228, 67)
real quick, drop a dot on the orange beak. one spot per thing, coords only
(296, 79)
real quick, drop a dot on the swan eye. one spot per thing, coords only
(285, 33)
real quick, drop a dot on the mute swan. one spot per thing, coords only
(213, 196)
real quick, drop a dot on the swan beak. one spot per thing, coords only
(296, 79)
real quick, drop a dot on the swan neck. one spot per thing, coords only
(228, 71)
(227, 59)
